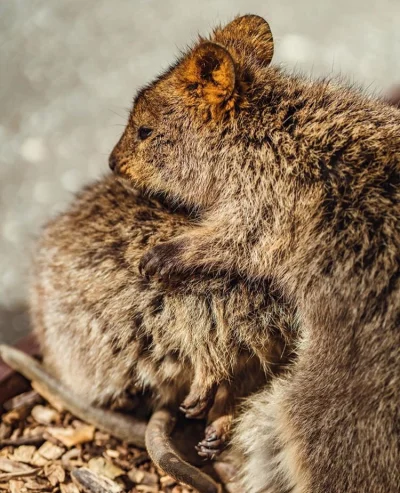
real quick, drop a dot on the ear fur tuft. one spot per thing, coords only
(210, 71)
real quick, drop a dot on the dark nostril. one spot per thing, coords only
(112, 162)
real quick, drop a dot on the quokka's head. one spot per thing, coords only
(182, 127)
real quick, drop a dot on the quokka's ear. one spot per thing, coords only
(248, 36)
(209, 71)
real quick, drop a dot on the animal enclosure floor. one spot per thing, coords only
(43, 449)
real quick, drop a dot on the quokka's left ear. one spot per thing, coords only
(248, 38)
(209, 72)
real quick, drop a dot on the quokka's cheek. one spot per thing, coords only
(134, 173)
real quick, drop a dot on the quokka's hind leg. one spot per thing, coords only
(265, 446)
(220, 417)
(247, 378)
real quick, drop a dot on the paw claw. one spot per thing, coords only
(206, 453)
(213, 443)
(161, 262)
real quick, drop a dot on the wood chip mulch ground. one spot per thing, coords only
(43, 449)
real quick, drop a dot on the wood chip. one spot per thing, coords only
(142, 458)
(180, 489)
(25, 400)
(24, 453)
(16, 442)
(37, 484)
(167, 481)
(72, 436)
(138, 476)
(5, 431)
(71, 459)
(50, 451)
(16, 433)
(21, 474)
(101, 436)
(14, 416)
(9, 465)
(33, 429)
(90, 482)
(17, 486)
(38, 460)
(147, 489)
(103, 467)
(19, 407)
(54, 473)
(45, 415)
(114, 454)
(69, 488)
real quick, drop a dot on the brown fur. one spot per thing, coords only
(108, 333)
(297, 181)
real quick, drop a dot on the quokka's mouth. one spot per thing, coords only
(113, 162)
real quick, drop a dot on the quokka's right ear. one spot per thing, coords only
(209, 72)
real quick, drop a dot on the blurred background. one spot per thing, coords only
(69, 70)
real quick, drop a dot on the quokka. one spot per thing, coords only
(298, 182)
(111, 335)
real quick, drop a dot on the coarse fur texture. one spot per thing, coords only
(297, 181)
(110, 334)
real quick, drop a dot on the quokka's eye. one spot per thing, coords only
(144, 132)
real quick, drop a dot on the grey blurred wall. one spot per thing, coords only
(69, 70)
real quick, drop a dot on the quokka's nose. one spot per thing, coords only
(112, 162)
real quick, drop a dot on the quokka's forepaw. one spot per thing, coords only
(161, 262)
(212, 445)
